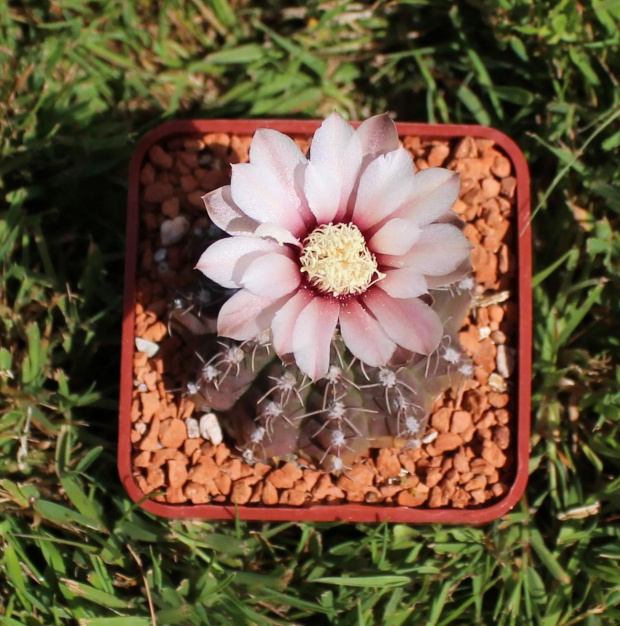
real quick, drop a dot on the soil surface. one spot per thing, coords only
(466, 458)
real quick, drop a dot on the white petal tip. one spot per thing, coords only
(278, 233)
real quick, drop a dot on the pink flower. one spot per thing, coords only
(351, 237)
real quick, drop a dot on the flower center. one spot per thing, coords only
(337, 261)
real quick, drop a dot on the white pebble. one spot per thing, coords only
(140, 427)
(504, 361)
(430, 437)
(210, 428)
(149, 348)
(484, 332)
(193, 430)
(497, 383)
(160, 255)
(172, 231)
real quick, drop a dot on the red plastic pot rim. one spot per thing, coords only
(340, 512)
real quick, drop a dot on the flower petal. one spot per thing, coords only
(277, 233)
(395, 237)
(258, 192)
(411, 323)
(330, 142)
(245, 315)
(226, 215)
(284, 321)
(271, 276)
(225, 260)
(322, 189)
(350, 176)
(403, 283)
(436, 282)
(440, 250)
(384, 186)
(335, 160)
(277, 152)
(312, 336)
(434, 193)
(378, 135)
(363, 335)
(282, 156)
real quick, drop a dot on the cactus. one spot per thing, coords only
(273, 412)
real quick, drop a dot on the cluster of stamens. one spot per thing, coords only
(337, 261)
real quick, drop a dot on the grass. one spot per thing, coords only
(79, 84)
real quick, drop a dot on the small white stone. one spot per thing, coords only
(160, 255)
(430, 437)
(210, 428)
(504, 361)
(497, 383)
(172, 231)
(150, 348)
(193, 430)
(140, 427)
(484, 332)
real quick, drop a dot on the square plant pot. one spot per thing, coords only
(171, 471)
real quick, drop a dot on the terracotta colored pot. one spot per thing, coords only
(349, 512)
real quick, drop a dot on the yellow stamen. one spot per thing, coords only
(337, 260)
